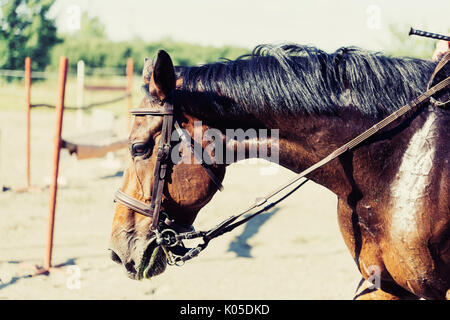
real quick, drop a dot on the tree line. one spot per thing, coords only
(26, 30)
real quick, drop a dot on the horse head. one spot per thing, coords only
(186, 186)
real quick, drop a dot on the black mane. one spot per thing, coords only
(293, 79)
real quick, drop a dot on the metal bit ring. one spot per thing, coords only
(169, 238)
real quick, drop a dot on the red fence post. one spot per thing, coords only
(28, 118)
(63, 63)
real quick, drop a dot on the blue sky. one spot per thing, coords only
(327, 24)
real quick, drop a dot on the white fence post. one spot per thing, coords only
(80, 91)
(1, 164)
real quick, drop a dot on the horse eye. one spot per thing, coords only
(139, 149)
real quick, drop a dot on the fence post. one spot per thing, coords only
(28, 118)
(80, 93)
(1, 163)
(57, 144)
(130, 72)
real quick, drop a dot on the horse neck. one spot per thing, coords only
(306, 139)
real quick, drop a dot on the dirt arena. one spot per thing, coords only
(294, 251)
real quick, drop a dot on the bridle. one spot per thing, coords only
(165, 229)
(170, 234)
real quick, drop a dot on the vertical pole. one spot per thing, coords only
(57, 143)
(80, 92)
(130, 72)
(28, 118)
(1, 162)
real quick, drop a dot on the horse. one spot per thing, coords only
(393, 189)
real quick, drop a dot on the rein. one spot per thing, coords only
(170, 235)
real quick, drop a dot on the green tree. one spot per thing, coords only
(26, 31)
(91, 44)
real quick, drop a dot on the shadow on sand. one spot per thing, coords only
(14, 280)
(239, 245)
(117, 174)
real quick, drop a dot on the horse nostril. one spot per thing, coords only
(115, 257)
(130, 267)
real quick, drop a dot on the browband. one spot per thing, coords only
(151, 111)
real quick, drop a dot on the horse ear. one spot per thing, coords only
(147, 70)
(162, 81)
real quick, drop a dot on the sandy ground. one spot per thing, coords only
(292, 252)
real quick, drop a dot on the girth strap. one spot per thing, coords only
(442, 70)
